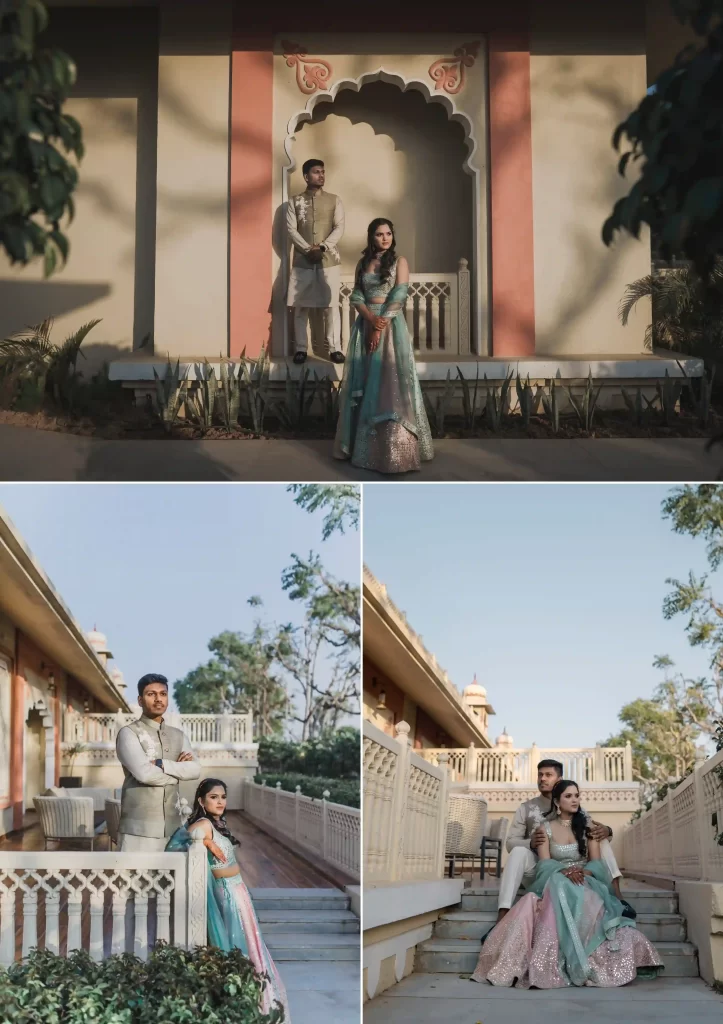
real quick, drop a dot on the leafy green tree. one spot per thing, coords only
(676, 140)
(340, 502)
(36, 180)
(660, 732)
(240, 677)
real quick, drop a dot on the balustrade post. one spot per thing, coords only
(598, 769)
(422, 322)
(463, 315)
(196, 883)
(628, 763)
(345, 316)
(471, 773)
(276, 804)
(399, 803)
(249, 727)
(442, 816)
(702, 826)
(297, 805)
(532, 764)
(325, 825)
(435, 322)
(225, 727)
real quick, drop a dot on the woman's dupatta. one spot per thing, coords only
(569, 904)
(180, 842)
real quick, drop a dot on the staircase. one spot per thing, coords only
(307, 924)
(455, 943)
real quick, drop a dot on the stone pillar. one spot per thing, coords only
(191, 308)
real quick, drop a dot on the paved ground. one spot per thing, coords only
(42, 455)
(325, 992)
(431, 998)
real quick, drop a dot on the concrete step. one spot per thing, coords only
(305, 946)
(645, 901)
(473, 924)
(459, 956)
(319, 921)
(299, 899)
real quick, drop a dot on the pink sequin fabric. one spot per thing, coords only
(524, 947)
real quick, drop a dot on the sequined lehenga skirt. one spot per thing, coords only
(382, 424)
(525, 947)
(243, 931)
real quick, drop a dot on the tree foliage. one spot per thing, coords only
(36, 180)
(333, 754)
(698, 512)
(676, 141)
(340, 502)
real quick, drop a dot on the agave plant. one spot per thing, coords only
(201, 402)
(585, 404)
(229, 394)
(32, 354)
(437, 410)
(254, 374)
(497, 401)
(170, 392)
(687, 309)
(527, 398)
(469, 399)
(551, 405)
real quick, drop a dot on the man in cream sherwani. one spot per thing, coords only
(315, 225)
(525, 835)
(155, 758)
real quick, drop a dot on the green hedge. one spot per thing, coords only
(333, 756)
(173, 986)
(342, 791)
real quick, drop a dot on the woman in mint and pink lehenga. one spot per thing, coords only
(232, 921)
(569, 928)
(382, 423)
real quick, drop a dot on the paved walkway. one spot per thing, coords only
(42, 455)
(431, 998)
(324, 991)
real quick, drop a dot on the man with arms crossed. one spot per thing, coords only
(526, 834)
(155, 758)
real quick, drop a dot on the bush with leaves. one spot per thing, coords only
(341, 791)
(174, 986)
(334, 755)
(30, 355)
(36, 180)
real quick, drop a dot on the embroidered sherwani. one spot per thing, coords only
(150, 800)
(315, 217)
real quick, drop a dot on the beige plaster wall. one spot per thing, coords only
(585, 79)
(392, 154)
(110, 776)
(109, 273)
(191, 268)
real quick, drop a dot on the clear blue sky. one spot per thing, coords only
(552, 594)
(162, 568)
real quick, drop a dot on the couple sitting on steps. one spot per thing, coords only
(572, 926)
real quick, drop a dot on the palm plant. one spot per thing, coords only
(32, 354)
(687, 309)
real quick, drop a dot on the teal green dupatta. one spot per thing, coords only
(222, 931)
(569, 904)
(380, 386)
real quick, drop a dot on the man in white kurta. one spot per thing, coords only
(155, 758)
(524, 837)
(315, 225)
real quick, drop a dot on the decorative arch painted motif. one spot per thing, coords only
(35, 700)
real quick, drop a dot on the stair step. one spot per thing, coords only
(459, 956)
(299, 899)
(645, 901)
(321, 921)
(473, 924)
(285, 946)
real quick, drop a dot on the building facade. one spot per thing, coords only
(49, 668)
(483, 132)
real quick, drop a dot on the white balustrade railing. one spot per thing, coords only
(103, 728)
(105, 903)
(437, 311)
(331, 832)
(678, 835)
(405, 809)
(582, 764)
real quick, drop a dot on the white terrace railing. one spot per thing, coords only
(105, 903)
(103, 728)
(582, 764)
(437, 311)
(330, 832)
(678, 835)
(405, 809)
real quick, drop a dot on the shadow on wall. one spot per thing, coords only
(30, 302)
